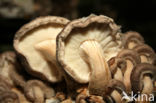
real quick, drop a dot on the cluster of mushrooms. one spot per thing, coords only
(86, 60)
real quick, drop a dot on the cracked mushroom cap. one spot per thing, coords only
(33, 44)
(131, 39)
(146, 54)
(138, 73)
(100, 30)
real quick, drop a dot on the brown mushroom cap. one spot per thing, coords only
(36, 91)
(131, 39)
(4, 84)
(115, 63)
(146, 53)
(10, 69)
(28, 43)
(9, 97)
(21, 95)
(132, 59)
(115, 89)
(97, 28)
(129, 55)
(139, 72)
(7, 63)
(115, 85)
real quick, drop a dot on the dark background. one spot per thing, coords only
(136, 15)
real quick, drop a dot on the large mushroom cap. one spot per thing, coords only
(31, 39)
(99, 29)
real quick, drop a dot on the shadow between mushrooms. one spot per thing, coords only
(84, 47)
(35, 44)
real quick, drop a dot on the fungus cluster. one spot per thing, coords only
(87, 60)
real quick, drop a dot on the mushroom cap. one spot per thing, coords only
(38, 30)
(10, 69)
(115, 85)
(45, 91)
(114, 63)
(4, 84)
(139, 72)
(129, 55)
(147, 51)
(7, 63)
(99, 28)
(9, 96)
(133, 37)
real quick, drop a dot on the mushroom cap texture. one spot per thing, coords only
(8, 63)
(46, 90)
(115, 85)
(101, 27)
(139, 72)
(131, 36)
(146, 50)
(6, 96)
(114, 63)
(130, 55)
(32, 27)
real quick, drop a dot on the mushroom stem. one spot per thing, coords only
(148, 85)
(100, 75)
(127, 75)
(48, 49)
(117, 97)
(144, 59)
(118, 75)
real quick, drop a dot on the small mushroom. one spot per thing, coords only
(36, 91)
(7, 63)
(8, 97)
(35, 44)
(132, 59)
(117, 66)
(21, 95)
(17, 78)
(143, 77)
(146, 54)
(11, 69)
(115, 89)
(131, 39)
(4, 84)
(84, 47)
